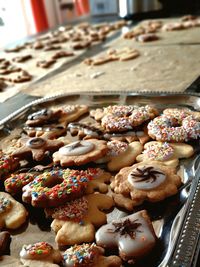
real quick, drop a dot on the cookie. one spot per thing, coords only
(70, 231)
(181, 113)
(80, 152)
(121, 154)
(99, 183)
(71, 112)
(54, 188)
(40, 254)
(133, 235)
(89, 255)
(49, 131)
(15, 182)
(85, 130)
(125, 118)
(5, 240)
(8, 164)
(36, 147)
(43, 116)
(151, 181)
(168, 153)
(12, 213)
(168, 128)
(140, 135)
(147, 37)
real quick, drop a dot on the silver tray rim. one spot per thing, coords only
(184, 247)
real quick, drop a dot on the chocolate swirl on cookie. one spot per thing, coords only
(148, 175)
(146, 178)
(126, 227)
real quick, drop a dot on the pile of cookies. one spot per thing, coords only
(76, 164)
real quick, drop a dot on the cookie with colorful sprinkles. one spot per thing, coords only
(167, 153)
(54, 188)
(7, 165)
(167, 128)
(76, 221)
(89, 255)
(12, 213)
(148, 180)
(40, 254)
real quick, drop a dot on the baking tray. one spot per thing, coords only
(176, 220)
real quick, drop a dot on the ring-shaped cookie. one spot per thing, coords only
(168, 128)
(54, 188)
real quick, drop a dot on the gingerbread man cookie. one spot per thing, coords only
(80, 152)
(89, 255)
(151, 181)
(12, 213)
(168, 153)
(133, 235)
(78, 223)
(36, 147)
(40, 254)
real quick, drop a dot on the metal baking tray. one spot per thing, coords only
(176, 220)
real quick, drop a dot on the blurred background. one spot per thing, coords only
(22, 18)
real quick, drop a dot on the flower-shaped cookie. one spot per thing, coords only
(40, 254)
(80, 152)
(36, 146)
(167, 153)
(133, 235)
(89, 255)
(75, 222)
(150, 180)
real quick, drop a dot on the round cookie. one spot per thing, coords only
(54, 188)
(80, 152)
(148, 180)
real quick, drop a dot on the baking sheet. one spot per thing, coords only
(170, 217)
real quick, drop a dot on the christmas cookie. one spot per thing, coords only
(54, 188)
(121, 154)
(14, 183)
(75, 222)
(12, 213)
(89, 255)
(133, 235)
(151, 181)
(7, 165)
(40, 254)
(80, 152)
(168, 153)
(36, 147)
